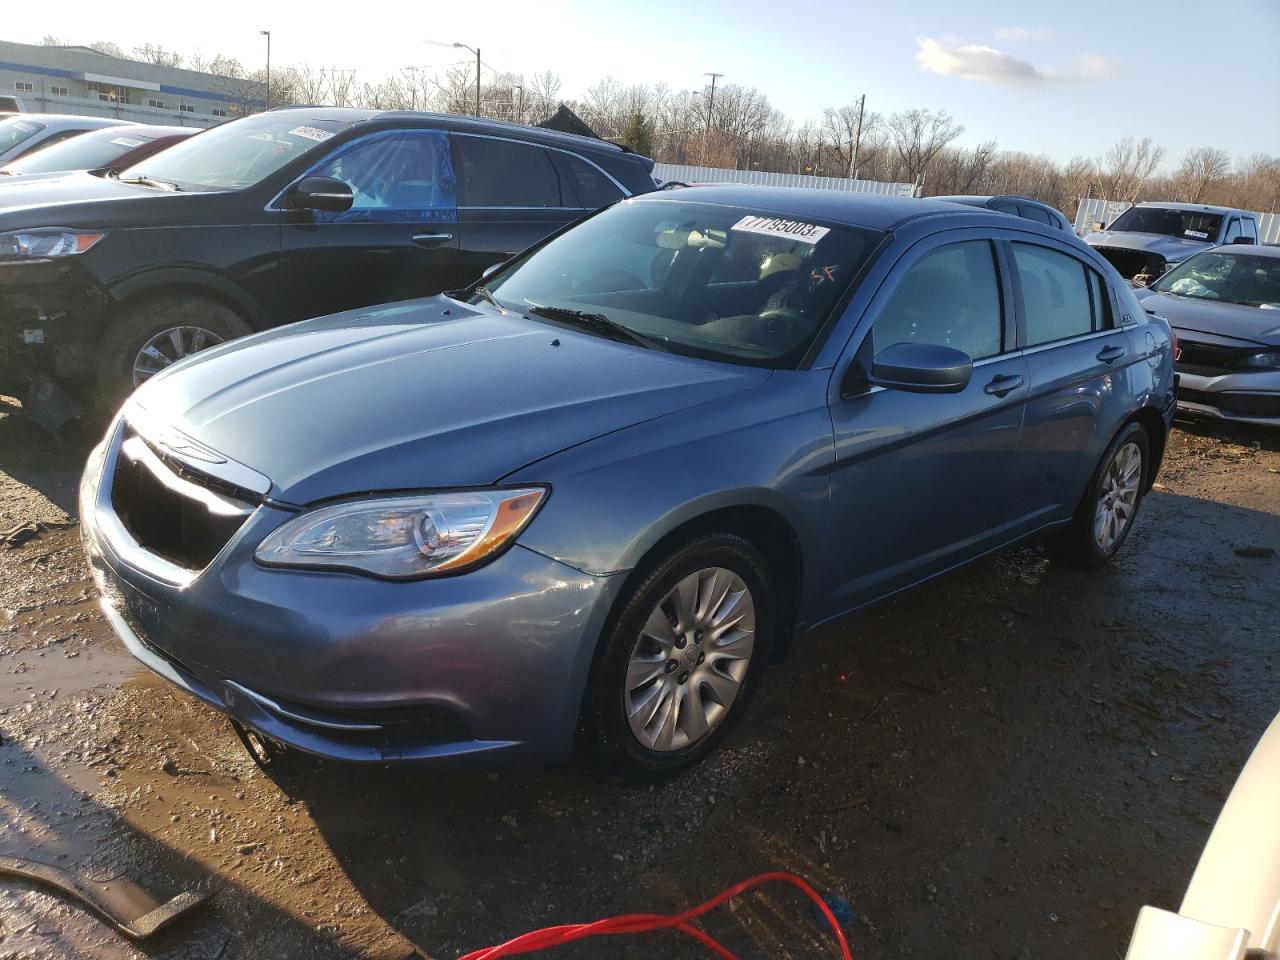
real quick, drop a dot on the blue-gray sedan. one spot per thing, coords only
(589, 498)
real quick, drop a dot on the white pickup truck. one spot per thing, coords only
(1148, 240)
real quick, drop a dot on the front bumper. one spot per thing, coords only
(492, 662)
(52, 314)
(1239, 397)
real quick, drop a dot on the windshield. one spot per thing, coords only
(238, 154)
(1188, 224)
(1225, 277)
(88, 151)
(722, 282)
(14, 130)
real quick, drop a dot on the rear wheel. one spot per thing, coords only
(1106, 513)
(678, 666)
(154, 334)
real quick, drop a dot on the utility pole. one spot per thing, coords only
(711, 101)
(476, 51)
(857, 139)
(267, 103)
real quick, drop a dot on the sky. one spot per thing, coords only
(1065, 78)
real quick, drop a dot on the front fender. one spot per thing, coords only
(210, 282)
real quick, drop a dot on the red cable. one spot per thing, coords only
(645, 922)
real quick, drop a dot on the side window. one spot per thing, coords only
(1233, 230)
(951, 297)
(587, 187)
(1249, 229)
(1055, 295)
(398, 176)
(1102, 319)
(501, 173)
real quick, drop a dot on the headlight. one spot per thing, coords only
(1268, 360)
(45, 244)
(403, 538)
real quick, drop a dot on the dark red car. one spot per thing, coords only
(106, 150)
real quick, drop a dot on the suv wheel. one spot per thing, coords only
(677, 667)
(148, 337)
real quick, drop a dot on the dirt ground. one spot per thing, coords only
(1004, 764)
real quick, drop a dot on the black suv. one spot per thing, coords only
(277, 217)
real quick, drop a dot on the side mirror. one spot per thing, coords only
(321, 193)
(1243, 240)
(921, 368)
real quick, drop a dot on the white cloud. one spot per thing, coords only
(1017, 34)
(989, 65)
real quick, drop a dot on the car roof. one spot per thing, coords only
(1247, 249)
(876, 211)
(65, 119)
(1194, 207)
(457, 122)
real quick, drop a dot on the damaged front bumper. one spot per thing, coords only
(51, 317)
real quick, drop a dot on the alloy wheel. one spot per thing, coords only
(691, 659)
(1118, 497)
(168, 347)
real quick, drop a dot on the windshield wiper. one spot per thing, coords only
(598, 322)
(483, 293)
(152, 182)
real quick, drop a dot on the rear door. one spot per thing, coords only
(920, 481)
(510, 195)
(1078, 364)
(399, 239)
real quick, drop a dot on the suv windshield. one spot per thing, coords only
(14, 130)
(722, 282)
(1188, 224)
(237, 154)
(88, 151)
(1227, 278)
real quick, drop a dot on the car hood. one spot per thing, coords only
(1236, 320)
(80, 198)
(1172, 249)
(422, 394)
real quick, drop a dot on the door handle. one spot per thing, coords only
(1110, 354)
(431, 239)
(1004, 384)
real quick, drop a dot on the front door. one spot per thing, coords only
(399, 239)
(920, 480)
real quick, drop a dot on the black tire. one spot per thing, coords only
(606, 730)
(1076, 543)
(137, 323)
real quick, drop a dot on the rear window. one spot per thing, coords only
(502, 173)
(15, 130)
(589, 188)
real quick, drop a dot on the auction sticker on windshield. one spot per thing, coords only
(311, 133)
(128, 142)
(1198, 234)
(778, 227)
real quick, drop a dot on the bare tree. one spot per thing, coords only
(1200, 168)
(1127, 167)
(155, 54)
(107, 48)
(51, 40)
(918, 136)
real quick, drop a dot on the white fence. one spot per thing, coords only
(690, 174)
(1093, 211)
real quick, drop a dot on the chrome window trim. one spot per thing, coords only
(1078, 338)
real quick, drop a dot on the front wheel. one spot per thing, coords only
(1106, 513)
(678, 665)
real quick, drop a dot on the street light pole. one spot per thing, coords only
(476, 51)
(267, 34)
